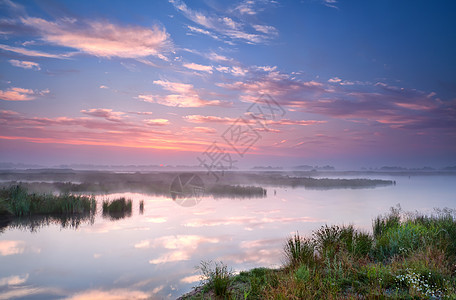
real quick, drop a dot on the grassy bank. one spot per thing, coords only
(406, 257)
(17, 201)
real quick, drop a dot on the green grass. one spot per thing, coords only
(216, 276)
(17, 201)
(299, 250)
(407, 256)
(117, 208)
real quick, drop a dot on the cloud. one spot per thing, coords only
(225, 27)
(105, 113)
(183, 95)
(294, 122)
(269, 30)
(235, 70)
(253, 7)
(209, 119)
(246, 8)
(95, 130)
(13, 280)
(21, 94)
(330, 3)
(217, 57)
(379, 104)
(204, 129)
(383, 104)
(25, 64)
(101, 38)
(198, 67)
(202, 31)
(249, 120)
(26, 52)
(157, 122)
(334, 80)
(273, 83)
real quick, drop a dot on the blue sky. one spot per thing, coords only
(361, 83)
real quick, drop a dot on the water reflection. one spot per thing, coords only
(34, 223)
(153, 251)
(116, 215)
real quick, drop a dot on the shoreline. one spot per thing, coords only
(406, 256)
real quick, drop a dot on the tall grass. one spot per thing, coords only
(299, 250)
(17, 201)
(117, 208)
(216, 276)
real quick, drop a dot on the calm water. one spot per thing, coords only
(154, 254)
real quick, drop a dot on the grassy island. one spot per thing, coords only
(407, 256)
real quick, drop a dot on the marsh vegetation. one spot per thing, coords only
(17, 201)
(408, 256)
(118, 208)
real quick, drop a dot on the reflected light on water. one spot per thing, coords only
(154, 253)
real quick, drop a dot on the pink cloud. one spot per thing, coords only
(209, 119)
(224, 27)
(108, 114)
(21, 94)
(32, 53)
(25, 64)
(183, 95)
(95, 131)
(157, 122)
(198, 67)
(102, 39)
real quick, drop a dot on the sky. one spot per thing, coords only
(228, 83)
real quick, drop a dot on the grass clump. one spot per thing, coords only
(299, 250)
(117, 208)
(216, 276)
(17, 201)
(407, 256)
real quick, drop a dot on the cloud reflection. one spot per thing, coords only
(116, 294)
(181, 247)
(250, 221)
(11, 247)
(26, 292)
